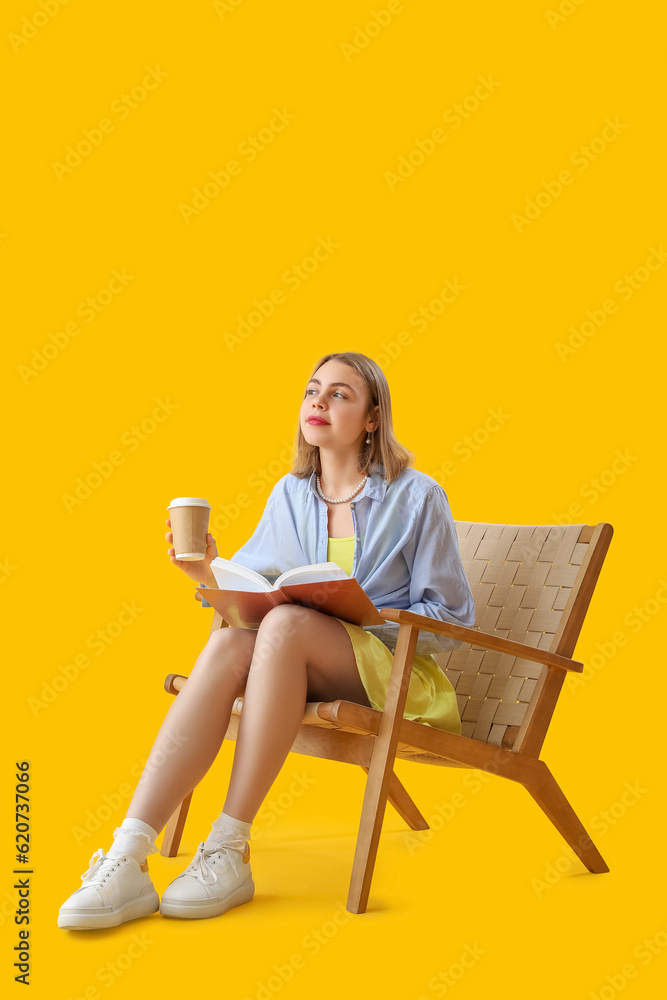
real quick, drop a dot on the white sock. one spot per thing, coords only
(135, 838)
(229, 831)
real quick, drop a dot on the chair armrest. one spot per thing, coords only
(485, 639)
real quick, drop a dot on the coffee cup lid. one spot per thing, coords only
(189, 502)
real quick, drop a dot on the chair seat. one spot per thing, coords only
(414, 743)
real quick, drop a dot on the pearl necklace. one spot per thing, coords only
(342, 499)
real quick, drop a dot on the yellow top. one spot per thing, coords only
(341, 551)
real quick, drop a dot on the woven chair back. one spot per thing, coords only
(521, 577)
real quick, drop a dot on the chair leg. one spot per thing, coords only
(368, 838)
(174, 829)
(403, 804)
(381, 771)
(552, 801)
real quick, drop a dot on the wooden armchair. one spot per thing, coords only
(532, 585)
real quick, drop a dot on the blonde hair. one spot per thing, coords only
(384, 450)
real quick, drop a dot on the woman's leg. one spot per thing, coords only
(194, 727)
(300, 655)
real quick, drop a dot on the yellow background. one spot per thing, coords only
(496, 878)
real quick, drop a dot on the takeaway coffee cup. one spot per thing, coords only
(189, 526)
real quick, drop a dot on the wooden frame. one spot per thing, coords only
(352, 733)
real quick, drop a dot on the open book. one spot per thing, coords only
(243, 596)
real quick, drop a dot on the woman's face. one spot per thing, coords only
(341, 406)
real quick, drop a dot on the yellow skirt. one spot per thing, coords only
(431, 698)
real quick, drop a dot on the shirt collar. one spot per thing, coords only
(374, 487)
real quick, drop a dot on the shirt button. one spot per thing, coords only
(351, 505)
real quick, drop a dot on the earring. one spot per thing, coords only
(368, 438)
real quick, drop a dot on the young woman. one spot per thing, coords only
(352, 498)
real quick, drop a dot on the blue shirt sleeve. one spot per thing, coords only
(439, 586)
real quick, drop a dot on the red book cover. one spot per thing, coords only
(340, 598)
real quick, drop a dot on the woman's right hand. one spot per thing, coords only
(198, 570)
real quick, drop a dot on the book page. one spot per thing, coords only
(233, 576)
(312, 574)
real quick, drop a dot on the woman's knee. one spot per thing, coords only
(228, 651)
(284, 623)
(232, 638)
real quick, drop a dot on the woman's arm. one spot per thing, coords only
(198, 570)
(438, 583)
(207, 578)
(439, 586)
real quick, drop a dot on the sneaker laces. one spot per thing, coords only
(200, 865)
(101, 865)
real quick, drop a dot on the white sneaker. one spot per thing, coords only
(217, 879)
(114, 889)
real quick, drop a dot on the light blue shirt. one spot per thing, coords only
(406, 552)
